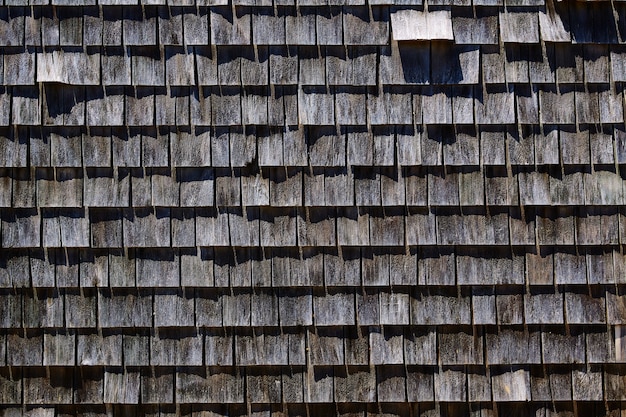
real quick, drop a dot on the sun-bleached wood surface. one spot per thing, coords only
(311, 208)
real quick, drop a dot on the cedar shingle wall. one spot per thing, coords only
(276, 209)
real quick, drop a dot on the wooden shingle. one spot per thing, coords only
(329, 27)
(513, 347)
(268, 27)
(480, 27)
(543, 308)
(519, 27)
(157, 387)
(405, 63)
(94, 349)
(450, 385)
(408, 24)
(356, 386)
(300, 26)
(121, 387)
(511, 386)
(295, 309)
(198, 387)
(334, 309)
(138, 310)
(139, 26)
(230, 28)
(440, 309)
(181, 351)
(552, 25)
(460, 348)
(563, 348)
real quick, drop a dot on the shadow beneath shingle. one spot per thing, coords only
(177, 333)
(365, 173)
(98, 93)
(172, 51)
(73, 213)
(64, 13)
(226, 12)
(415, 59)
(224, 257)
(590, 22)
(8, 13)
(138, 13)
(621, 20)
(314, 134)
(283, 174)
(516, 53)
(62, 378)
(31, 92)
(439, 133)
(446, 63)
(535, 54)
(61, 99)
(257, 55)
(227, 54)
(381, 130)
(167, 12)
(139, 92)
(63, 256)
(155, 254)
(195, 174)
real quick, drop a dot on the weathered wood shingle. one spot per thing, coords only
(312, 208)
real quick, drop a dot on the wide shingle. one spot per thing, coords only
(411, 25)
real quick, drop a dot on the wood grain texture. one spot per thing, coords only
(312, 208)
